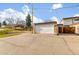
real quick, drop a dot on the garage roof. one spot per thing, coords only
(46, 22)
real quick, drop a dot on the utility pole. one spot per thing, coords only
(33, 29)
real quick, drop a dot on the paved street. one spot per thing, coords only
(37, 44)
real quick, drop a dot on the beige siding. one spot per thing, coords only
(67, 22)
(55, 29)
(76, 28)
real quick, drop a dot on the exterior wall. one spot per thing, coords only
(70, 21)
(55, 29)
(76, 20)
(67, 21)
(76, 28)
(46, 28)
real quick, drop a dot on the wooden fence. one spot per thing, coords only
(66, 29)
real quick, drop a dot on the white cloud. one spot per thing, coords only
(54, 19)
(57, 6)
(16, 15)
(11, 15)
(37, 20)
(10, 10)
(25, 9)
(76, 15)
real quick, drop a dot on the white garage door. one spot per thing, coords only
(48, 28)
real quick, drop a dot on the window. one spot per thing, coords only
(76, 19)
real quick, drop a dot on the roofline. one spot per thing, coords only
(70, 17)
(46, 22)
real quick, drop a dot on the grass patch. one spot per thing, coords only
(9, 32)
(6, 35)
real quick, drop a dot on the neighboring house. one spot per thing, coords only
(71, 22)
(46, 27)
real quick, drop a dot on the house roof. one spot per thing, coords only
(70, 18)
(46, 22)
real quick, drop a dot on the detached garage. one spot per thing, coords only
(46, 27)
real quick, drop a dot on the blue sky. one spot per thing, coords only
(46, 11)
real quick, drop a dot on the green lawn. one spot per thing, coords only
(8, 32)
(6, 35)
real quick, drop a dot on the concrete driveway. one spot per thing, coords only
(36, 44)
